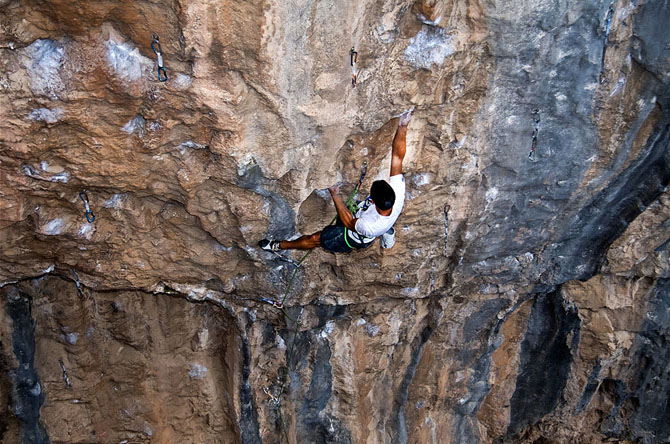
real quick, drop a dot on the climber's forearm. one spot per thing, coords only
(342, 211)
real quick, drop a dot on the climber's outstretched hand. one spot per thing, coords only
(405, 117)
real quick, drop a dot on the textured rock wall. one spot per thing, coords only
(525, 300)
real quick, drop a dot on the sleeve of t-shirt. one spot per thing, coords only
(397, 182)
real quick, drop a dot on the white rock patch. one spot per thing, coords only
(125, 60)
(197, 371)
(53, 227)
(183, 81)
(429, 47)
(46, 115)
(137, 123)
(45, 61)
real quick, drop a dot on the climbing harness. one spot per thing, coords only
(162, 74)
(361, 206)
(608, 24)
(90, 217)
(353, 57)
(66, 378)
(536, 119)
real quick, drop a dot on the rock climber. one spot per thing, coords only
(375, 216)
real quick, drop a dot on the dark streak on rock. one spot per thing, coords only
(612, 210)
(282, 216)
(328, 312)
(651, 29)
(249, 428)
(546, 357)
(592, 384)
(613, 424)
(319, 392)
(663, 246)
(27, 394)
(479, 359)
(650, 421)
(478, 321)
(398, 425)
(315, 425)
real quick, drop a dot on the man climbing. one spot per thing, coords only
(375, 216)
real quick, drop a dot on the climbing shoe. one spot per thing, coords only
(269, 245)
(388, 238)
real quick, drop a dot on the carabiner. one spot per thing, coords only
(364, 170)
(90, 217)
(156, 42)
(165, 76)
(162, 73)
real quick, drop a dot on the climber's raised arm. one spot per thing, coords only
(399, 143)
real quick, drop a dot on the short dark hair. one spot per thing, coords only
(382, 194)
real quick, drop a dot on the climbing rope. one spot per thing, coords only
(276, 399)
(162, 74)
(90, 217)
(353, 57)
(536, 119)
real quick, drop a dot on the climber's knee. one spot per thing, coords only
(315, 239)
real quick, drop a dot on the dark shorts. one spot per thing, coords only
(336, 239)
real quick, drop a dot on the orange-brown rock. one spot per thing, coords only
(526, 299)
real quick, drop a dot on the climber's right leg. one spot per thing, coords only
(306, 242)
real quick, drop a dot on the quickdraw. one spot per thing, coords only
(351, 204)
(364, 171)
(531, 154)
(608, 24)
(353, 57)
(274, 399)
(271, 302)
(77, 283)
(66, 378)
(90, 217)
(285, 258)
(162, 74)
(447, 207)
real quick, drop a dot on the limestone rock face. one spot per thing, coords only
(527, 297)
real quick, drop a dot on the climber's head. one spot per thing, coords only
(382, 194)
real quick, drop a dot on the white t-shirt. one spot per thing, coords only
(370, 223)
